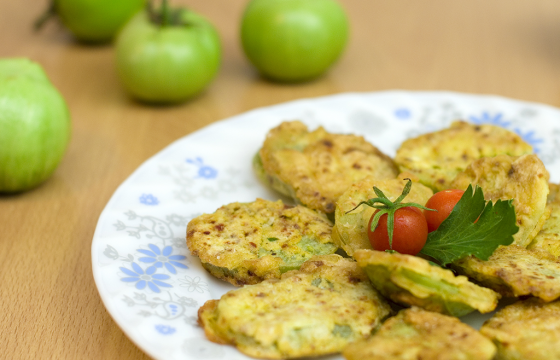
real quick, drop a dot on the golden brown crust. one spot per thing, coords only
(313, 311)
(317, 167)
(548, 239)
(245, 243)
(413, 281)
(418, 334)
(437, 157)
(528, 330)
(516, 271)
(523, 179)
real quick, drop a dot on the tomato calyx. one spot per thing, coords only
(385, 206)
(165, 16)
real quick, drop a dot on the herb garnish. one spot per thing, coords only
(459, 235)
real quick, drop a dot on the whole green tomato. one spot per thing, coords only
(293, 40)
(168, 55)
(94, 20)
(34, 125)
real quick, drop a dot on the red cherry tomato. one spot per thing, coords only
(443, 201)
(410, 232)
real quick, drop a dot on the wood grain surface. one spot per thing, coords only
(50, 307)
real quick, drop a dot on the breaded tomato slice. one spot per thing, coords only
(316, 167)
(437, 157)
(413, 281)
(350, 229)
(516, 271)
(523, 179)
(548, 238)
(245, 243)
(317, 310)
(528, 329)
(419, 334)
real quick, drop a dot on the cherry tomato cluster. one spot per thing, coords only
(412, 225)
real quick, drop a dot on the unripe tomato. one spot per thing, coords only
(95, 20)
(444, 202)
(410, 232)
(167, 63)
(293, 40)
(34, 125)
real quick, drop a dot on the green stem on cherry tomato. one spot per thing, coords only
(388, 207)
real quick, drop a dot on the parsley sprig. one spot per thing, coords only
(386, 206)
(474, 227)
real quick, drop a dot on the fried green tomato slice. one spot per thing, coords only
(316, 167)
(317, 310)
(246, 243)
(413, 281)
(528, 329)
(554, 194)
(548, 239)
(515, 271)
(419, 334)
(350, 229)
(523, 179)
(437, 157)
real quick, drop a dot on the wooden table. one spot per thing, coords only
(50, 307)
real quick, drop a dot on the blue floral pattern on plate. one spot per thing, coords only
(163, 257)
(143, 278)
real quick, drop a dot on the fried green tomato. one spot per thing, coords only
(554, 194)
(515, 271)
(528, 330)
(548, 239)
(317, 310)
(419, 334)
(316, 167)
(437, 157)
(413, 281)
(523, 179)
(350, 229)
(245, 243)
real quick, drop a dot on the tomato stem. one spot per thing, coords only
(165, 14)
(388, 207)
(46, 16)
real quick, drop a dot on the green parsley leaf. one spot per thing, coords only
(459, 236)
(272, 239)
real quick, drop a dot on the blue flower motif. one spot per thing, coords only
(403, 113)
(163, 257)
(165, 329)
(204, 171)
(149, 199)
(141, 278)
(530, 138)
(486, 118)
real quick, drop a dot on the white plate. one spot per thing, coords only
(146, 276)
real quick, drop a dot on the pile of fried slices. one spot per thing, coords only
(311, 284)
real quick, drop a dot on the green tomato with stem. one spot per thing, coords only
(167, 55)
(93, 20)
(293, 40)
(34, 125)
